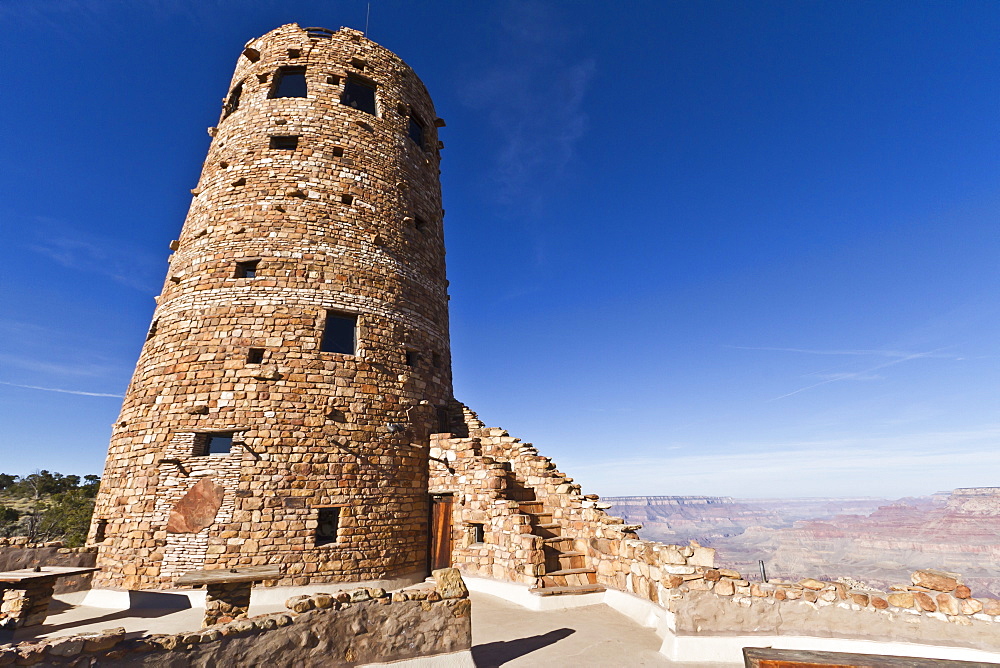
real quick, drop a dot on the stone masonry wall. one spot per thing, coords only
(345, 218)
(934, 607)
(345, 628)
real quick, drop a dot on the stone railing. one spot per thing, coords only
(345, 628)
(697, 597)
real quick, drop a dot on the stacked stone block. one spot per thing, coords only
(349, 221)
(681, 579)
(344, 628)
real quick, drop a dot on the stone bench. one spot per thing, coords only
(227, 595)
(27, 593)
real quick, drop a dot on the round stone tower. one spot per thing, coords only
(298, 356)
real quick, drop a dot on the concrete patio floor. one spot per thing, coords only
(504, 634)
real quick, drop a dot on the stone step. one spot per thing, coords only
(557, 560)
(557, 539)
(570, 577)
(572, 571)
(566, 591)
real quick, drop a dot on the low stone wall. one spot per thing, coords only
(488, 471)
(340, 629)
(701, 613)
(17, 553)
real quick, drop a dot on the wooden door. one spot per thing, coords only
(440, 535)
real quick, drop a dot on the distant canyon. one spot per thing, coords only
(875, 541)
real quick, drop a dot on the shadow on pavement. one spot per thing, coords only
(494, 654)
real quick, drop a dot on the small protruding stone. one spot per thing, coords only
(448, 581)
(935, 579)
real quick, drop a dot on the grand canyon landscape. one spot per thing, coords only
(862, 540)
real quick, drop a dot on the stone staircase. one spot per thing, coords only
(566, 571)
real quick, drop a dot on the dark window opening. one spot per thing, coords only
(319, 33)
(339, 333)
(436, 358)
(247, 269)
(294, 53)
(337, 151)
(347, 199)
(327, 525)
(360, 95)
(443, 420)
(255, 356)
(152, 329)
(289, 82)
(359, 63)
(419, 223)
(412, 358)
(285, 142)
(100, 531)
(416, 131)
(233, 103)
(216, 444)
(333, 79)
(478, 532)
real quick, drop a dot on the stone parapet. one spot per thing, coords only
(683, 580)
(348, 628)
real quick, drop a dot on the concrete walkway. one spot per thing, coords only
(504, 634)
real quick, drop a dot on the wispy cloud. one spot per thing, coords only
(849, 376)
(71, 248)
(63, 391)
(534, 99)
(914, 463)
(856, 375)
(895, 357)
(856, 353)
(63, 369)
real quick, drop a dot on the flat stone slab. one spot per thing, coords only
(229, 575)
(759, 657)
(27, 575)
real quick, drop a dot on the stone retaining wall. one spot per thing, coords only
(683, 580)
(345, 628)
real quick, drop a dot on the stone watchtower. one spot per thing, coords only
(298, 356)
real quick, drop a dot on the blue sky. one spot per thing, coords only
(694, 247)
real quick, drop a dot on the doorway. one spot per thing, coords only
(441, 529)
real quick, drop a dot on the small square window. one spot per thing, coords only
(419, 223)
(347, 198)
(436, 360)
(339, 333)
(360, 95)
(246, 269)
(152, 329)
(415, 131)
(443, 420)
(289, 82)
(100, 531)
(285, 142)
(477, 532)
(412, 358)
(255, 356)
(337, 151)
(233, 103)
(327, 525)
(213, 444)
(319, 33)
